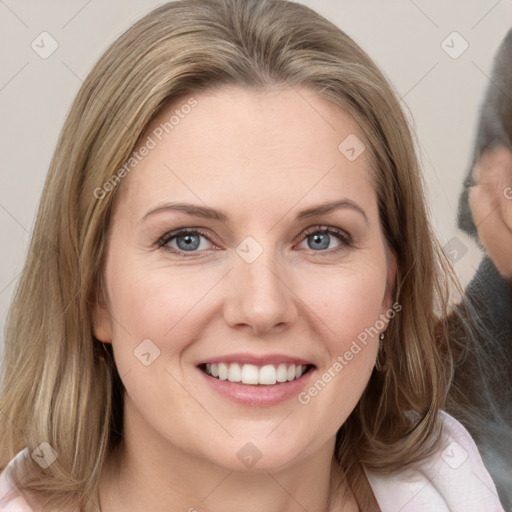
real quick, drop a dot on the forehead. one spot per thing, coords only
(252, 148)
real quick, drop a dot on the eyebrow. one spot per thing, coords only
(212, 214)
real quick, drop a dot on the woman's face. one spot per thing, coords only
(257, 289)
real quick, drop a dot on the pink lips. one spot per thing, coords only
(257, 395)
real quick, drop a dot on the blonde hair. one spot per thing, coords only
(60, 385)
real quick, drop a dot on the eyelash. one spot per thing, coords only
(343, 237)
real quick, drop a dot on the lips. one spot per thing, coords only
(256, 395)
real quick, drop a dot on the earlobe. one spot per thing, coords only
(101, 320)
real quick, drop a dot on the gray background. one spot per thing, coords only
(441, 94)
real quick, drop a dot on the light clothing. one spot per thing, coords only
(453, 479)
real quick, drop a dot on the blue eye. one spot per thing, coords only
(189, 241)
(321, 237)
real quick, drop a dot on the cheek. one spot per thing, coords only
(348, 309)
(158, 314)
(348, 301)
(158, 304)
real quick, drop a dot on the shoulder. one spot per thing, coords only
(11, 499)
(454, 479)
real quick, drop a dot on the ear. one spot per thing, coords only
(101, 319)
(387, 302)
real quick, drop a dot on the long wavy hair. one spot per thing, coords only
(61, 386)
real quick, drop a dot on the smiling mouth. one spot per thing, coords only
(254, 375)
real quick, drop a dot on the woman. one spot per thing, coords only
(236, 302)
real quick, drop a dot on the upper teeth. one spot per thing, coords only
(252, 374)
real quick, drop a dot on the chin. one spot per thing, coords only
(259, 454)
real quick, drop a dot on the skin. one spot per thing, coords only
(491, 204)
(261, 157)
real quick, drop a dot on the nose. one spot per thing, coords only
(260, 297)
